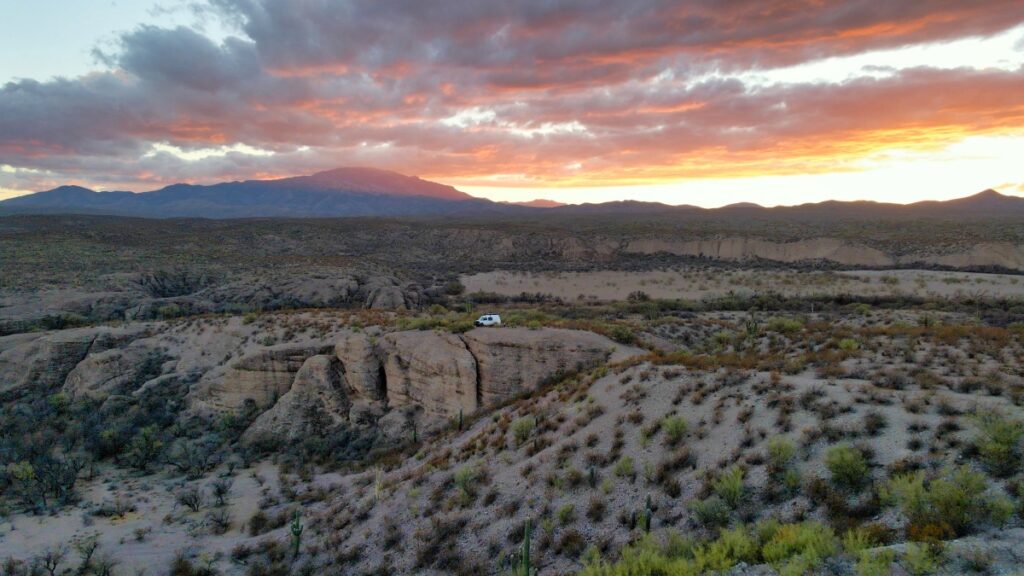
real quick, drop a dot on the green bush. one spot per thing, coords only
(999, 443)
(921, 560)
(847, 465)
(565, 514)
(784, 325)
(675, 428)
(799, 546)
(793, 549)
(781, 453)
(710, 512)
(848, 345)
(624, 467)
(875, 563)
(522, 429)
(955, 499)
(729, 486)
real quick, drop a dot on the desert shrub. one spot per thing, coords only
(875, 563)
(596, 509)
(798, 548)
(710, 512)
(565, 514)
(784, 325)
(625, 468)
(942, 507)
(921, 560)
(729, 486)
(675, 428)
(793, 549)
(522, 429)
(848, 345)
(781, 452)
(731, 546)
(857, 540)
(999, 443)
(847, 465)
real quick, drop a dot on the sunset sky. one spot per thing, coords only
(688, 102)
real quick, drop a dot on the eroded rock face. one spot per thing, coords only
(261, 377)
(512, 361)
(362, 365)
(45, 361)
(108, 372)
(315, 403)
(432, 370)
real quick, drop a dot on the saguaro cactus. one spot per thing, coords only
(297, 529)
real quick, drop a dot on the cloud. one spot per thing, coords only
(553, 92)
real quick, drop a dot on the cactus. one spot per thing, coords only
(592, 477)
(378, 485)
(752, 328)
(520, 564)
(647, 514)
(524, 568)
(296, 528)
(460, 418)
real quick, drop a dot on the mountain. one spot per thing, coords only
(539, 203)
(372, 192)
(372, 181)
(333, 193)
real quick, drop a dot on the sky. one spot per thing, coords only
(684, 102)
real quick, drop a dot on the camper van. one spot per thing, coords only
(488, 320)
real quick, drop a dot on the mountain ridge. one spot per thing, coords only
(371, 192)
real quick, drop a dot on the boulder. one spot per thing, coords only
(362, 366)
(386, 297)
(512, 361)
(315, 403)
(261, 377)
(115, 371)
(429, 369)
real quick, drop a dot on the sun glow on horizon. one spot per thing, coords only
(813, 103)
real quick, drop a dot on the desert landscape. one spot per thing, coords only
(194, 411)
(519, 288)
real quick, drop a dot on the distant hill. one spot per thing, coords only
(987, 204)
(372, 192)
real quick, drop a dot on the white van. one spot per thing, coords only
(488, 320)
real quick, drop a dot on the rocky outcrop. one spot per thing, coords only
(44, 362)
(315, 403)
(362, 366)
(260, 378)
(109, 372)
(389, 380)
(514, 361)
(432, 370)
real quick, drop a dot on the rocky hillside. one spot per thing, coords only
(840, 441)
(393, 382)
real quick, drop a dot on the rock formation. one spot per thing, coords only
(261, 377)
(315, 403)
(45, 361)
(432, 370)
(514, 361)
